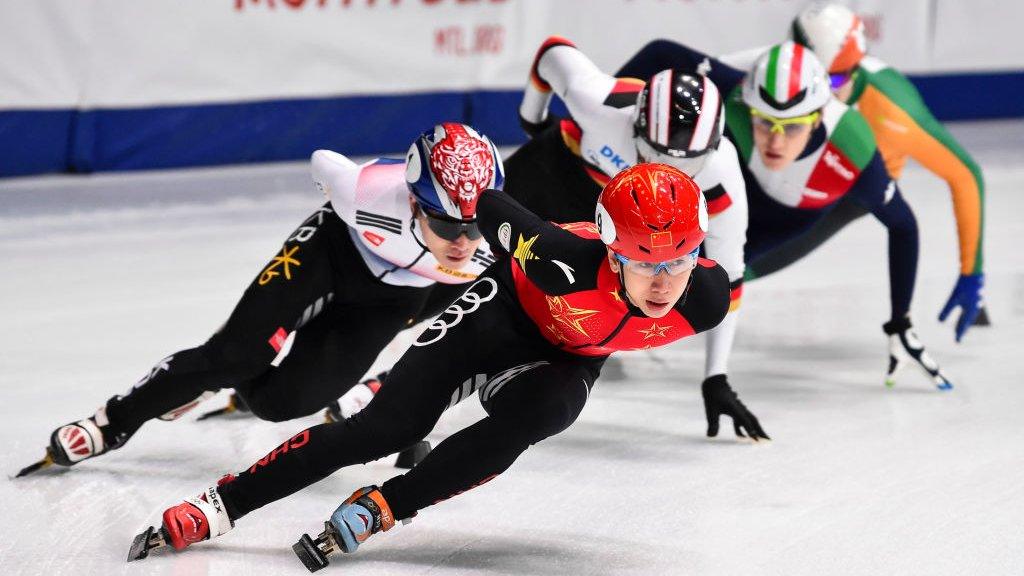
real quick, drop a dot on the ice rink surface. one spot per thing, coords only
(105, 275)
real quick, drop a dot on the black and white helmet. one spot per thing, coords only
(679, 119)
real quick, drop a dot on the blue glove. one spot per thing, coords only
(967, 295)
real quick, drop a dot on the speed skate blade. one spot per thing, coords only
(46, 462)
(143, 543)
(311, 556)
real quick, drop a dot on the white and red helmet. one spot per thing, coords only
(835, 34)
(449, 166)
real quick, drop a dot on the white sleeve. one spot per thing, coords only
(727, 235)
(727, 229)
(336, 176)
(567, 72)
(718, 344)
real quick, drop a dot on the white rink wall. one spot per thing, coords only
(102, 85)
(106, 53)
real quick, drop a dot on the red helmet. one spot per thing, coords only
(652, 212)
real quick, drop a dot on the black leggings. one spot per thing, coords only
(530, 390)
(317, 286)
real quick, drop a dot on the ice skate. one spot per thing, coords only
(78, 441)
(906, 349)
(364, 513)
(194, 520)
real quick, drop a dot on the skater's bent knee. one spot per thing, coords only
(271, 407)
(547, 418)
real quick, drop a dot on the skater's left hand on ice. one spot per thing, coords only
(905, 347)
(967, 296)
(719, 399)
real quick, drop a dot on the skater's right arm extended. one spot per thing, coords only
(560, 69)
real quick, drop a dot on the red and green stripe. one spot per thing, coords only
(782, 78)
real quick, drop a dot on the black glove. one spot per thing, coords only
(904, 347)
(533, 129)
(719, 399)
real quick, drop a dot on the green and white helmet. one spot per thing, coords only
(786, 81)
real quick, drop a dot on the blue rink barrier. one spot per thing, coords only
(41, 141)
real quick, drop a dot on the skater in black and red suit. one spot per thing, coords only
(530, 336)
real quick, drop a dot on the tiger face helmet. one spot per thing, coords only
(449, 166)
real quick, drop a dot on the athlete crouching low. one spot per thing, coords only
(349, 278)
(537, 325)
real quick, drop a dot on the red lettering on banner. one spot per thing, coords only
(297, 4)
(239, 4)
(456, 41)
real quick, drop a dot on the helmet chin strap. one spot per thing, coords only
(622, 282)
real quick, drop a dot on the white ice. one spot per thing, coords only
(100, 277)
